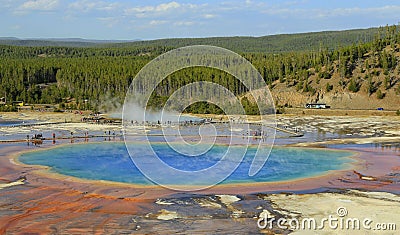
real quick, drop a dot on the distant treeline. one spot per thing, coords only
(96, 76)
(271, 44)
(265, 44)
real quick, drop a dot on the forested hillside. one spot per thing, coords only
(265, 44)
(59, 42)
(312, 71)
(271, 44)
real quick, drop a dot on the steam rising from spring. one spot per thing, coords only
(145, 83)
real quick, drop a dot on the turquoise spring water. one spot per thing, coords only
(111, 162)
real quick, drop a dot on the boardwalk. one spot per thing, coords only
(154, 125)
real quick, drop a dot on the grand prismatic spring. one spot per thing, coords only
(111, 162)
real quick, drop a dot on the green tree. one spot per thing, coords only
(354, 86)
(387, 83)
(370, 86)
(328, 87)
(380, 95)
